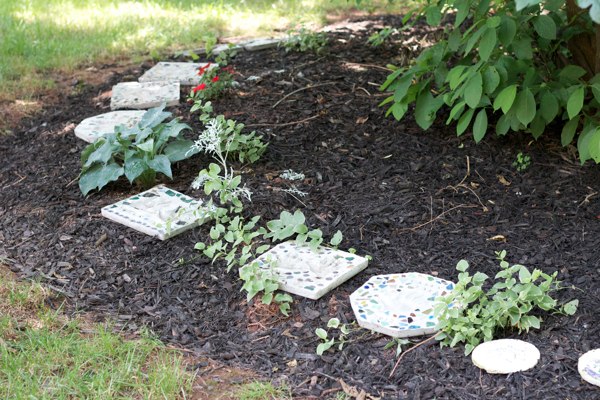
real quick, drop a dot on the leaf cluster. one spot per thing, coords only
(471, 313)
(302, 40)
(328, 342)
(139, 152)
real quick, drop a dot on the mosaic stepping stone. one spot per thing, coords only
(93, 128)
(309, 273)
(260, 44)
(141, 95)
(182, 72)
(159, 212)
(399, 305)
(589, 367)
(505, 356)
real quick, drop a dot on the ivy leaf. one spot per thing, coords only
(480, 125)
(525, 106)
(571, 307)
(594, 8)
(473, 90)
(575, 102)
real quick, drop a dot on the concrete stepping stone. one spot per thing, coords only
(260, 44)
(589, 367)
(183, 72)
(142, 95)
(309, 273)
(505, 356)
(159, 212)
(399, 305)
(90, 129)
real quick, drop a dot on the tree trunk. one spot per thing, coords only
(583, 46)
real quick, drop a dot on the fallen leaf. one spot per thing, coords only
(292, 364)
(497, 238)
(503, 180)
(474, 185)
(361, 120)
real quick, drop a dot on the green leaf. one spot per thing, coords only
(571, 73)
(433, 15)
(505, 98)
(570, 308)
(548, 106)
(336, 239)
(487, 44)
(333, 323)
(568, 131)
(153, 117)
(473, 90)
(464, 121)
(180, 150)
(524, 275)
(462, 265)
(525, 106)
(398, 110)
(147, 146)
(97, 176)
(545, 27)
(321, 333)
(161, 164)
(507, 30)
(522, 48)
(491, 79)
(101, 154)
(521, 4)
(480, 125)
(426, 108)
(134, 167)
(575, 102)
(401, 86)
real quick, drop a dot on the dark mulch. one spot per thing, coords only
(389, 187)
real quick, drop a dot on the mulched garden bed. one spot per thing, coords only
(389, 187)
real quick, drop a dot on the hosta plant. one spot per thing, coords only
(140, 152)
(474, 312)
(508, 65)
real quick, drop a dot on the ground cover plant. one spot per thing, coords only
(414, 202)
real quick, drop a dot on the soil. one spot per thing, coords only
(413, 200)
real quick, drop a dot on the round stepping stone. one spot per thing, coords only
(183, 72)
(90, 129)
(142, 95)
(505, 356)
(399, 305)
(310, 273)
(589, 367)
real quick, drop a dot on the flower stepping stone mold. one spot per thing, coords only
(90, 129)
(141, 95)
(589, 367)
(305, 272)
(159, 212)
(183, 72)
(505, 356)
(399, 305)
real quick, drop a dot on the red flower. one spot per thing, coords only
(203, 69)
(215, 79)
(201, 86)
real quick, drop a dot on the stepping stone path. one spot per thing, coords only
(143, 95)
(505, 356)
(399, 305)
(183, 72)
(589, 367)
(160, 212)
(260, 44)
(90, 129)
(308, 273)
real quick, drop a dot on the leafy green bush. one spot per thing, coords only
(303, 40)
(139, 152)
(508, 59)
(470, 313)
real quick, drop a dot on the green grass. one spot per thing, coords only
(44, 355)
(39, 36)
(263, 391)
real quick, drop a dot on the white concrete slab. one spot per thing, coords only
(309, 273)
(142, 95)
(159, 212)
(90, 129)
(589, 367)
(183, 72)
(505, 356)
(399, 305)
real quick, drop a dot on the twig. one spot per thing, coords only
(439, 216)
(461, 184)
(409, 350)
(22, 178)
(370, 66)
(299, 90)
(287, 123)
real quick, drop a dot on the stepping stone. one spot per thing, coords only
(90, 129)
(144, 95)
(505, 356)
(182, 72)
(223, 47)
(159, 212)
(589, 367)
(399, 305)
(309, 273)
(260, 44)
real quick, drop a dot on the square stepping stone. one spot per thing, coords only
(505, 356)
(159, 212)
(142, 95)
(261, 44)
(309, 273)
(90, 129)
(588, 366)
(399, 305)
(183, 72)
